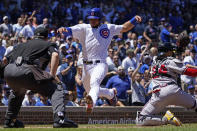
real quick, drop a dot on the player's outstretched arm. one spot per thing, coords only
(131, 23)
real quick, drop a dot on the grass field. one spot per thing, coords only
(185, 127)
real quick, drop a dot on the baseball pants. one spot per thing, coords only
(20, 79)
(93, 74)
(169, 95)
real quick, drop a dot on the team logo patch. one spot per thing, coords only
(104, 33)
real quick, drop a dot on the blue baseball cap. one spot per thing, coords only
(190, 87)
(68, 37)
(140, 37)
(95, 13)
(162, 19)
(69, 56)
(118, 40)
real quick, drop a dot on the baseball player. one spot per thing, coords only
(96, 38)
(166, 71)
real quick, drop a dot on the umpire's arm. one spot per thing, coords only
(54, 60)
(131, 23)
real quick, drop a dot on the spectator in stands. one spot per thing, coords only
(17, 27)
(44, 23)
(116, 63)
(5, 40)
(133, 40)
(28, 30)
(122, 83)
(191, 33)
(29, 99)
(2, 50)
(5, 94)
(129, 92)
(150, 31)
(1, 97)
(109, 59)
(71, 99)
(195, 33)
(161, 26)
(43, 101)
(195, 45)
(138, 91)
(79, 84)
(63, 50)
(153, 53)
(34, 23)
(191, 90)
(6, 28)
(166, 34)
(21, 39)
(10, 46)
(146, 60)
(66, 73)
(129, 61)
(186, 80)
(121, 48)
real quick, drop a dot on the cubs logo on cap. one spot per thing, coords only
(104, 33)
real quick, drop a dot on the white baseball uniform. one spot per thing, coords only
(95, 42)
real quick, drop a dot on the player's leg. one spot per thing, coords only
(97, 74)
(14, 105)
(56, 94)
(155, 105)
(16, 97)
(147, 116)
(86, 79)
(184, 99)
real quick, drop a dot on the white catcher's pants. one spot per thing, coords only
(93, 74)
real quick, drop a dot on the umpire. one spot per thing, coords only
(25, 71)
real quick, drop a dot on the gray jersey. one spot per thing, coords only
(175, 68)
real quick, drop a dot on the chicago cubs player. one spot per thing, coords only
(166, 71)
(95, 38)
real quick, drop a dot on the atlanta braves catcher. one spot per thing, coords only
(166, 71)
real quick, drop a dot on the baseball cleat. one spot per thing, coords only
(65, 123)
(172, 119)
(9, 123)
(89, 106)
(114, 100)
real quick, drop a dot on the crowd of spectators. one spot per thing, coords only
(129, 56)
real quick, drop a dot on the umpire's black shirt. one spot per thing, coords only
(37, 51)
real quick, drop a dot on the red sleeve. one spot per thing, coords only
(190, 72)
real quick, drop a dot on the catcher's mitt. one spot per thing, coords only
(183, 39)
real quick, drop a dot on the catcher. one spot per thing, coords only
(166, 72)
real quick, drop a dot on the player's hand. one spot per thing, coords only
(61, 30)
(138, 18)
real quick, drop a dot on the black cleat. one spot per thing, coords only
(13, 123)
(60, 121)
(65, 124)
